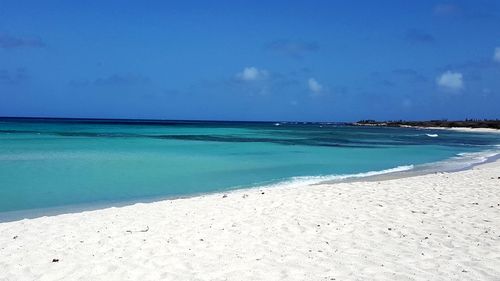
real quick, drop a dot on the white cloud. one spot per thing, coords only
(314, 86)
(451, 81)
(252, 74)
(496, 56)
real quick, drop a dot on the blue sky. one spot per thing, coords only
(250, 60)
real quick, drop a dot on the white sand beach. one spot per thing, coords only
(442, 226)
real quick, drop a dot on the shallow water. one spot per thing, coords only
(48, 164)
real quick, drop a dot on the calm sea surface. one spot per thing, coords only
(47, 164)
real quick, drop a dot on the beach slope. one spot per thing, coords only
(443, 226)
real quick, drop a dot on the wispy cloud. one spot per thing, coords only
(292, 48)
(314, 86)
(253, 81)
(472, 66)
(412, 74)
(447, 10)
(496, 55)
(117, 79)
(114, 80)
(13, 77)
(387, 83)
(419, 36)
(252, 74)
(451, 81)
(8, 41)
(476, 12)
(405, 71)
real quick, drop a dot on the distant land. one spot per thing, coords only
(467, 123)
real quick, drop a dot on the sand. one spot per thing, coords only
(462, 129)
(432, 227)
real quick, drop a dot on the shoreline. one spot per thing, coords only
(382, 175)
(433, 226)
(421, 172)
(456, 129)
(459, 129)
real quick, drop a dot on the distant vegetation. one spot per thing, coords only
(470, 123)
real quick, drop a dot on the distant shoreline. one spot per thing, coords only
(463, 129)
(464, 126)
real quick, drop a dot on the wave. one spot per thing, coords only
(309, 180)
(461, 161)
(466, 160)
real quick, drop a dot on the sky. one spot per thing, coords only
(251, 60)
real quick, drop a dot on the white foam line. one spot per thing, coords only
(461, 161)
(308, 180)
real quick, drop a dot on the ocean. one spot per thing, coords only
(47, 163)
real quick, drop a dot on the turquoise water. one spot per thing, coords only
(48, 164)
